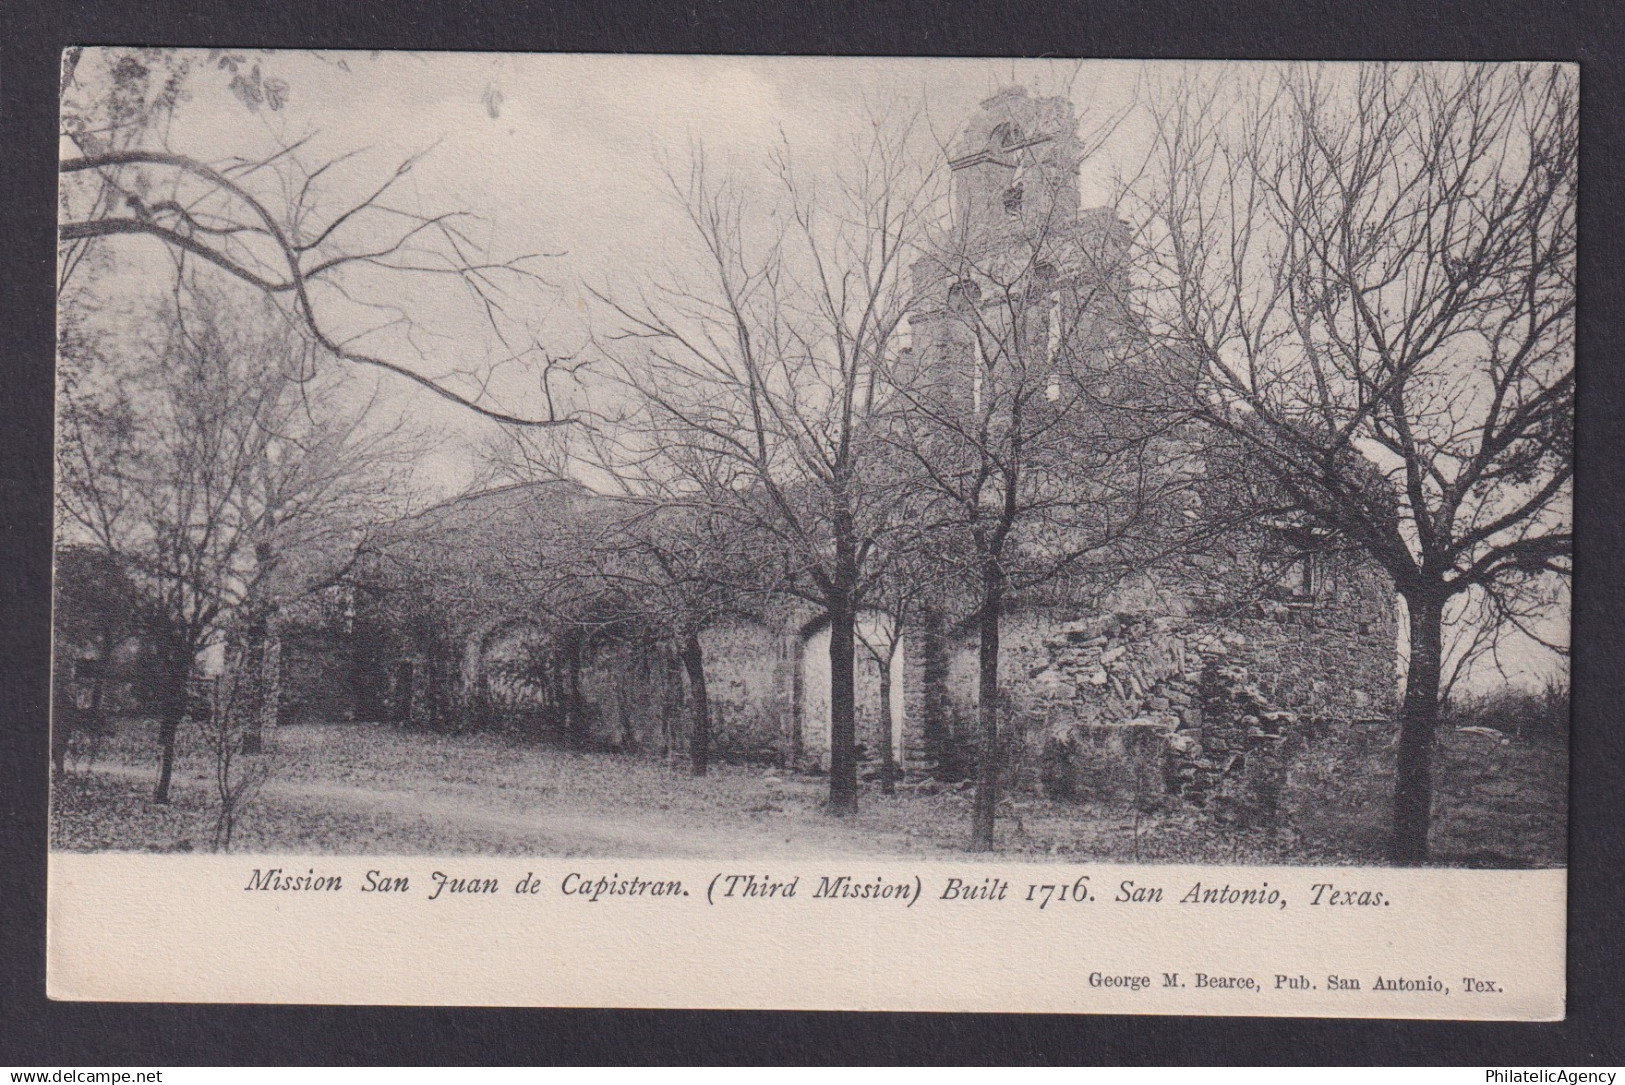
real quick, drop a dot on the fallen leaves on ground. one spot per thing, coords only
(376, 789)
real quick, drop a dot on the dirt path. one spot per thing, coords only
(560, 829)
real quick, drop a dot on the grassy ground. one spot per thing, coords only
(1497, 802)
(367, 789)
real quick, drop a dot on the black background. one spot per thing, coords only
(35, 1032)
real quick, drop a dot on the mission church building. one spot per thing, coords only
(1188, 675)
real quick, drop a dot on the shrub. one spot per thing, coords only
(1523, 714)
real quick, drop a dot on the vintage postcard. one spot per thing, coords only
(903, 534)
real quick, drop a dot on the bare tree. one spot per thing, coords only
(164, 460)
(262, 222)
(659, 569)
(637, 564)
(160, 501)
(1373, 268)
(226, 724)
(910, 581)
(321, 476)
(882, 639)
(752, 385)
(1046, 448)
(327, 255)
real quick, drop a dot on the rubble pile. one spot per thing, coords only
(1143, 708)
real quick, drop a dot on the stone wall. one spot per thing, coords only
(1135, 705)
(1171, 690)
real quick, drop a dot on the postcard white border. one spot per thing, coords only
(129, 927)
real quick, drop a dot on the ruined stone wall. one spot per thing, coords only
(1118, 667)
(1130, 705)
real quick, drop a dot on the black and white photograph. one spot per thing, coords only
(799, 459)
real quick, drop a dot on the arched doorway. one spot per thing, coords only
(502, 679)
(875, 637)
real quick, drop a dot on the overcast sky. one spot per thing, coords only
(566, 155)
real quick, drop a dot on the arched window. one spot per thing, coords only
(1007, 134)
(1012, 200)
(1041, 283)
(963, 296)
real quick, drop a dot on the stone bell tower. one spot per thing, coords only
(1022, 265)
(1015, 171)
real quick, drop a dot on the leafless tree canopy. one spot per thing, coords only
(917, 387)
(208, 460)
(268, 222)
(753, 381)
(1375, 266)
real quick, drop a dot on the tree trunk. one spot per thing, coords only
(177, 672)
(798, 704)
(671, 706)
(1418, 718)
(480, 713)
(255, 638)
(699, 738)
(560, 706)
(402, 704)
(843, 731)
(987, 711)
(254, 670)
(888, 753)
(576, 708)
